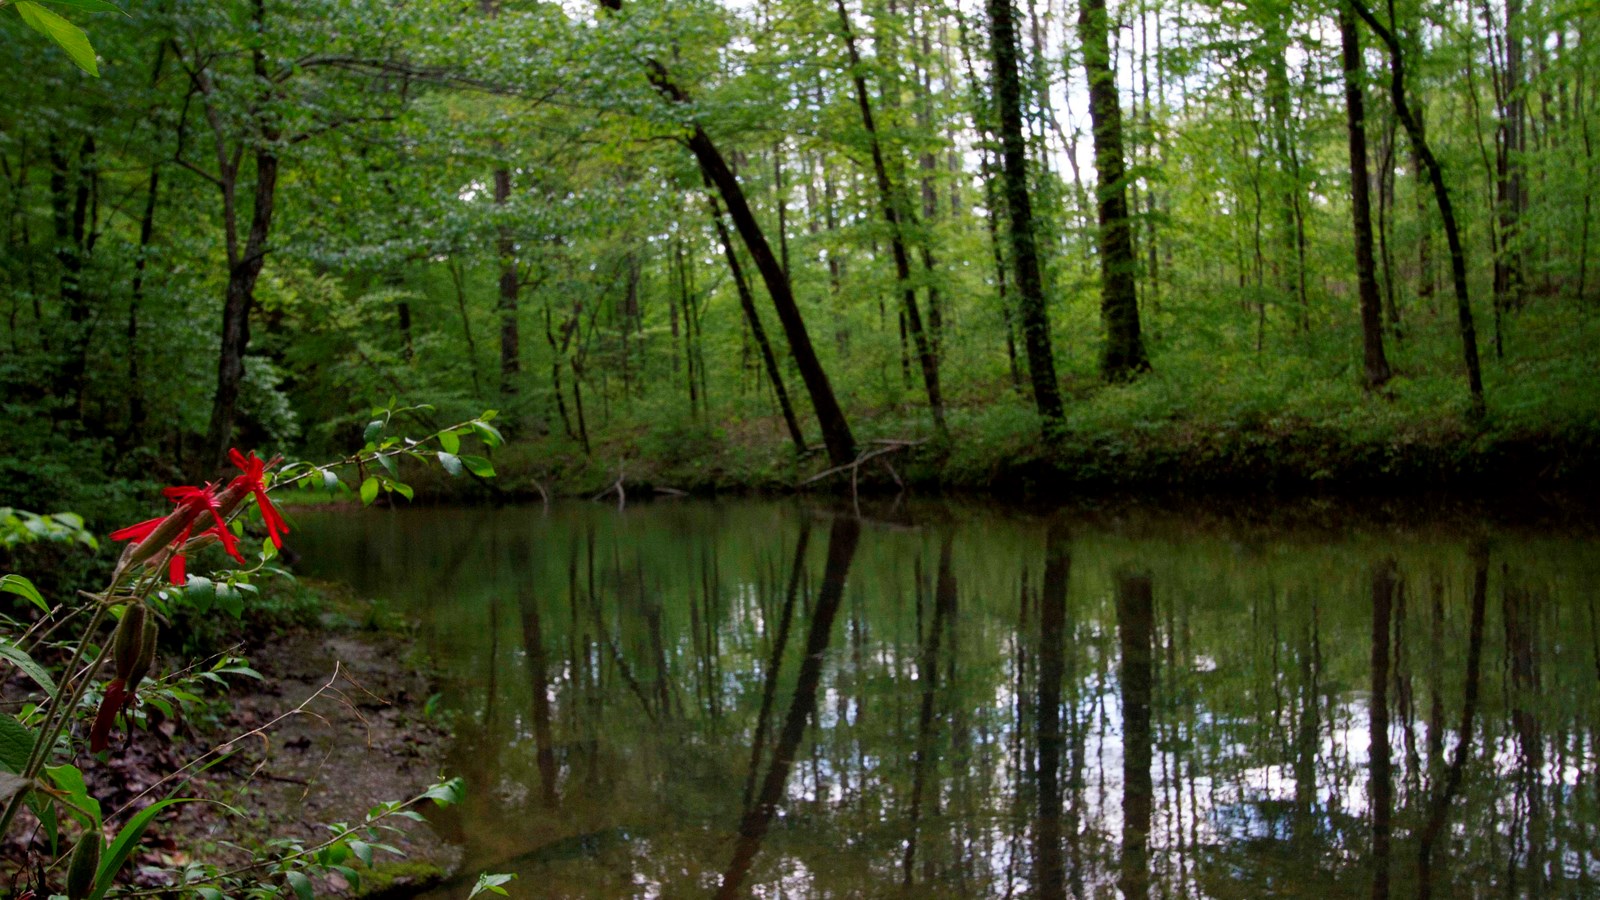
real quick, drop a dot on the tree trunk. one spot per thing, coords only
(506, 306)
(1510, 194)
(759, 333)
(1035, 319)
(244, 262)
(1123, 355)
(1377, 366)
(836, 433)
(1441, 196)
(243, 269)
(893, 214)
(147, 223)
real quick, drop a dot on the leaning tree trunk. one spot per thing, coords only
(1035, 319)
(748, 304)
(1441, 196)
(1124, 355)
(1377, 366)
(836, 433)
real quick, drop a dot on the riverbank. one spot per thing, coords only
(337, 724)
(1387, 448)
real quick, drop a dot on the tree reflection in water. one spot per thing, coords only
(1161, 705)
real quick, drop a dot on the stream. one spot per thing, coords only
(769, 699)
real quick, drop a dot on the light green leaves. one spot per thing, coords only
(478, 466)
(67, 35)
(491, 884)
(17, 657)
(16, 742)
(22, 587)
(451, 462)
(126, 840)
(446, 793)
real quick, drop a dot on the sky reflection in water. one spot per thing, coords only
(756, 699)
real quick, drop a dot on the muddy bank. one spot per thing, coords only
(336, 725)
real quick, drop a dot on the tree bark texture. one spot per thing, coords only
(1123, 355)
(1031, 309)
(1376, 364)
(759, 333)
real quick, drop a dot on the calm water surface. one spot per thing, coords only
(760, 699)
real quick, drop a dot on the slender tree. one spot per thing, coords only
(714, 167)
(1123, 354)
(1031, 310)
(1377, 365)
(894, 215)
(1441, 196)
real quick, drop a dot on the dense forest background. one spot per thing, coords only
(689, 238)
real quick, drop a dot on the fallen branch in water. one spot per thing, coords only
(880, 448)
(622, 496)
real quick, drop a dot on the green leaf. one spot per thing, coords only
(388, 466)
(491, 884)
(69, 36)
(445, 793)
(478, 466)
(269, 550)
(350, 875)
(230, 600)
(301, 884)
(374, 428)
(490, 434)
(25, 662)
(403, 489)
(10, 784)
(201, 592)
(369, 490)
(330, 480)
(363, 852)
(122, 847)
(22, 587)
(451, 462)
(450, 441)
(89, 5)
(71, 783)
(16, 743)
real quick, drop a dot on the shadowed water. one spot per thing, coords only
(757, 699)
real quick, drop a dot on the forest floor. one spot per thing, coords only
(336, 725)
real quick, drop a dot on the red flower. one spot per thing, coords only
(116, 699)
(253, 469)
(199, 500)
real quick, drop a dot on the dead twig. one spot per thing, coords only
(622, 495)
(880, 448)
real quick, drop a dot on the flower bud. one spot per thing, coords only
(84, 865)
(126, 642)
(146, 657)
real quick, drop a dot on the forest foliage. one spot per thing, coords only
(261, 219)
